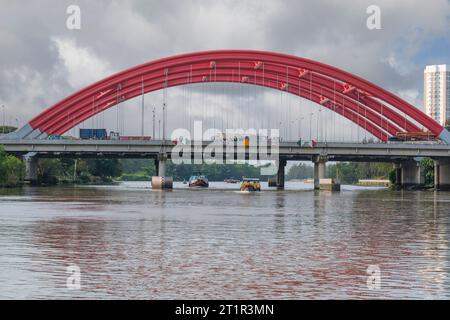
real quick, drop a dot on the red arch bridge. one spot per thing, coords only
(369, 106)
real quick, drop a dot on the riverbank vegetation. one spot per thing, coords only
(352, 172)
(11, 170)
(83, 171)
(346, 172)
(300, 171)
(7, 129)
(143, 170)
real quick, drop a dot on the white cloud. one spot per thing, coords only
(32, 86)
(83, 66)
(402, 67)
(412, 96)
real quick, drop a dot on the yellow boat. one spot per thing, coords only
(246, 142)
(249, 184)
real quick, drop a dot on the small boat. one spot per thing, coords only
(249, 184)
(198, 180)
(184, 181)
(232, 180)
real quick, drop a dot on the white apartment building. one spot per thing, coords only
(436, 92)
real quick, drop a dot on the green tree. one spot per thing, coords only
(300, 171)
(50, 171)
(12, 170)
(7, 129)
(105, 169)
(351, 172)
(144, 169)
(428, 167)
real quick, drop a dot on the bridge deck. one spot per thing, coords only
(287, 150)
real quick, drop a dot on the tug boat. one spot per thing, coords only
(199, 181)
(250, 185)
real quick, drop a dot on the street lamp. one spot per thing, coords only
(153, 127)
(281, 136)
(300, 127)
(310, 125)
(318, 124)
(291, 124)
(159, 128)
(3, 111)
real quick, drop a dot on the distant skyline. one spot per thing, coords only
(42, 61)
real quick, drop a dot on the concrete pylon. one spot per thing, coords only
(398, 174)
(412, 174)
(442, 174)
(319, 171)
(280, 174)
(31, 170)
(161, 181)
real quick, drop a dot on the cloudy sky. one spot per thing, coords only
(41, 61)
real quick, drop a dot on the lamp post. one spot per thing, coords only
(310, 125)
(142, 107)
(300, 127)
(3, 111)
(281, 136)
(153, 123)
(318, 125)
(159, 128)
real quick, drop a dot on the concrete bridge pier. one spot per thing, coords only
(161, 181)
(280, 174)
(398, 174)
(442, 174)
(408, 174)
(31, 170)
(319, 171)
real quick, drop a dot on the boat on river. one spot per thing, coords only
(198, 181)
(250, 185)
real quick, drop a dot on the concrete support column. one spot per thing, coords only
(31, 170)
(161, 181)
(156, 161)
(442, 174)
(280, 174)
(398, 174)
(411, 174)
(436, 175)
(319, 172)
(162, 167)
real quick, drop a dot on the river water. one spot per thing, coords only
(129, 241)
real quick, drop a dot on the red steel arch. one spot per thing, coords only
(374, 109)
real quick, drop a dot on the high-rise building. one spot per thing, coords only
(437, 92)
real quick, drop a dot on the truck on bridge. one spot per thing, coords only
(100, 134)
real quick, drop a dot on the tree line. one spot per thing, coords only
(352, 172)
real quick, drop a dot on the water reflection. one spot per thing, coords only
(132, 242)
